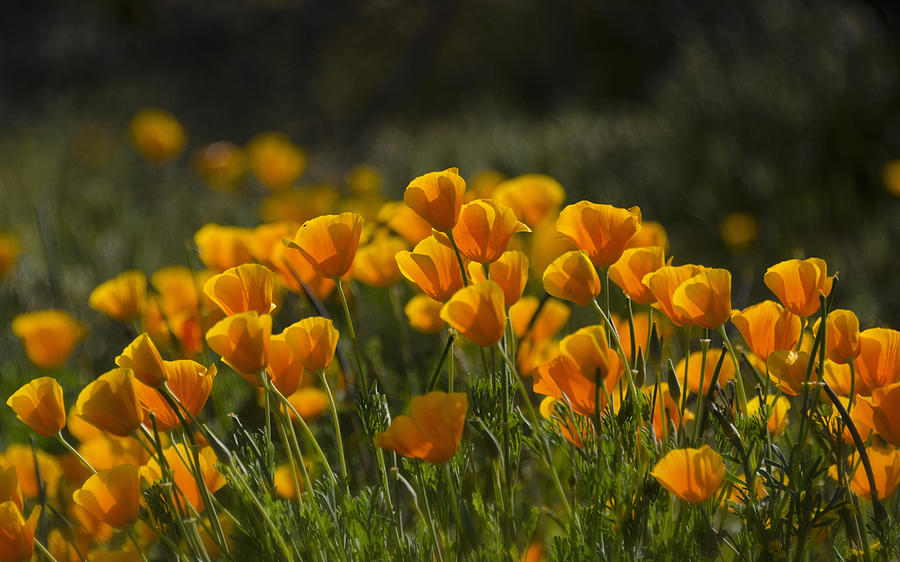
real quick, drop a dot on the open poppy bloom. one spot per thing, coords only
(695, 363)
(189, 381)
(572, 277)
(664, 282)
(484, 228)
(424, 314)
(693, 475)
(788, 370)
(798, 284)
(841, 335)
(329, 243)
(562, 378)
(17, 534)
(432, 430)
(176, 457)
(533, 197)
(376, 262)
(112, 496)
(39, 404)
(767, 327)
(121, 298)
(242, 340)
(221, 247)
(477, 313)
(111, 403)
(437, 197)
(629, 270)
(510, 271)
(313, 340)
(777, 408)
(705, 298)
(879, 357)
(142, 357)
(48, 336)
(600, 230)
(246, 287)
(433, 267)
(157, 134)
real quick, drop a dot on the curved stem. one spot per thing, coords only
(337, 426)
(363, 378)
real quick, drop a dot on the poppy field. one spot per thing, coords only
(481, 369)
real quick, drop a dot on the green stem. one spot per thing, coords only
(704, 346)
(131, 536)
(44, 550)
(361, 373)
(59, 437)
(739, 382)
(337, 427)
(459, 260)
(306, 430)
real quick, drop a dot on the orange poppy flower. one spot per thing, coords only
(39, 404)
(551, 318)
(177, 286)
(189, 381)
(142, 357)
(629, 270)
(533, 197)
(23, 457)
(881, 412)
(562, 422)
(879, 357)
(547, 244)
(313, 340)
(112, 496)
(431, 432)
(484, 229)
(798, 284)
(121, 298)
(788, 370)
(482, 185)
(111, 403)
(664, 282)
(437, 197)
(177, 458)
(242, 340)
(693, 475)
(433, 267)
(589, 349)
(309, 401)
(841, 379)
(9, 251)
(562, 378)
(284, 369)
(17, 534)
(424, 314)
(222, 247)
(651, 234)
(283, 478)
(266, 237)
(275, 160)
(153, 321)
(767, 327)
(222, 164)
(109, 452)
(376, 263)
(9, 486)
(246, 287)
(726, 373)
(885, 462)
(572, 277)
(705, 298)
(157, 134)
(841, 335)
(292, 268)
(48, 336)
(299, 205)
(477, 313)
(600, 230)
(404, 221)
(777, 408)
(510, 271)
(329, 242)
(666, 412)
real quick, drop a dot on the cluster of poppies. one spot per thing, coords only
(471, 256)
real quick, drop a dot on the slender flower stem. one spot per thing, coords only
(739, 382)
(459, 260)
(611, 329)
(704, 347)
(44, 550)
(263, 378)
(306, 429)
(361, 373)
(291, 460)
(337, 426)
(59, 437)
(133, 538)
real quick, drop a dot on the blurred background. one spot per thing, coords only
(754, 131)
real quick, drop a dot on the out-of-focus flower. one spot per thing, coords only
(885, 462)
(788, 370)
(23, 458)
(243, 288)
(329, 242)
(881, 412)
(484, 229)
(600, 230)
(16, 534)
(629, 270)
(482, 185)
(547, 244)
(299, 205)
(705, 298)
(477, 312)
(364, 180)
(177, 457)
(551, 318)
(510, 271)
(841, 335)
(437, 197)
(265, 238)
(39, 404)
(221, 164)
(891, 177)
(431, 432)
(48, 336)
(189, 381)
(309, 401)
(142, 357)
(738, 230)
(572, 277)
(641, 329)
(404, 221)
(533, 197)
(109, 452)
(111, 403)
(9, 251)
(113, 496)
(767, 327)
(424, 314)
(664, 282)
(879, 357)
(242, 340)
(275, 160)
(433, 267)
(651, 234)
(313, 340)
(9, 486)
(693, 475)
(695, 363)
(157, 134)
(283, 478)
(798, 284)
(376, 262)
(292, 268)
(222, 247)
(777, 409)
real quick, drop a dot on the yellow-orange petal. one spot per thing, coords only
(600, 230)
(242, 340)
(705, 298)
(243, 288)
(433, 267)
(629, 270)
(113, 496)
(437, 197)
(122, 297)
(329, 242)
(39, 405)
(767, 327)
(48, 336)
(841, 335)
(879, 356)
(424, 314)
(484, 229)
(798, 284)
(111, 403)
(693, 475)
(663, 283)
(142, 357)
(572, 277)
(477, 313)
(313, 340)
